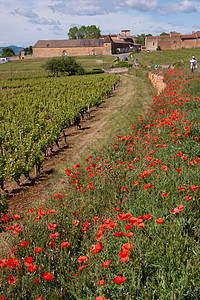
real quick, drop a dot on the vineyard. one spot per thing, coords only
(35, 111)
(168, 57)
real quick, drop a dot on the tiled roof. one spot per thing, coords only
(188, 36)
(71, 43)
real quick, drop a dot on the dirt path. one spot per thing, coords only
(50, 181)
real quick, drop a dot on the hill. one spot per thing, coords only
(16, 49)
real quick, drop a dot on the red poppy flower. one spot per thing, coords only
(127, 246)
(97, 248)
(64, 244)
(81, 259)
(124, 188)
(51, 211)
(188, 198)
(37, 280)
(145, 217)
(2, 298)
(164, 194)
(13, 264)
(3, 262)
(81, 268)
(181, 188)
(16, 217)
(54, 235)
(164, 168)
(135, 182)
(33, 268)
(101, 282)
(124, 254)
(24, 244)
(4, 219)
(28, 261)
(100, 298)
(129, 234)
(76, 222)
(37, 250)
(52, 226)
(11, 279)
(159, 220)
(39, 298)
(47, 276)
(96, 218)
(106, 264)
(118, 234)
(178, 170)
(128, 227)
(194, 187)
(119, 279)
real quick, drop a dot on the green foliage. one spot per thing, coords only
(140, 39)
(122, 64)
(84, 32)
(64, 65)
(164, 33)
(28, 50)
(7, 52)
(3, 203)
(178, 64)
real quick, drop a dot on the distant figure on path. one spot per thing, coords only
(193, 64)
(156, 67)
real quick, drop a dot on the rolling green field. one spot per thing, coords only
(34, 67)
(171, 57)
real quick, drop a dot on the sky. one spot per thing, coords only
(24, 22)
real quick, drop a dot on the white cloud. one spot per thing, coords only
(78, 7)
(44, 21)
(143, 5)
(184, 7)
(27, 13)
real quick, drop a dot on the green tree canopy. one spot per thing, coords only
(28, 50)
(64, 64)
(164, 33)
(140, 39)
(6, 52)
(84, 32)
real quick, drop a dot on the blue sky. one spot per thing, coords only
(23, 22)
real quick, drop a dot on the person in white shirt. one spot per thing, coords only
(193, 64)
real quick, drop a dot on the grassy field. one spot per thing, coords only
(35, 66)
(171, 57)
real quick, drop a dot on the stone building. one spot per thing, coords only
(105, 45)
(173, 41)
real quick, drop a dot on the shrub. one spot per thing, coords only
(65, 64)
(122, 64)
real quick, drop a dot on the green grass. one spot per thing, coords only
(167, 57)
(34, 67)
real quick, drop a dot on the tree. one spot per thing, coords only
(64, 64)
(140, 39)
(28, 50)
(84, 32)
(7, 52)
(73, 33)
(164, 33)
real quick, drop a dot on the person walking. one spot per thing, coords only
(193, 63)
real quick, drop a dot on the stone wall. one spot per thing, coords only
(157, 81)
(74, 51)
